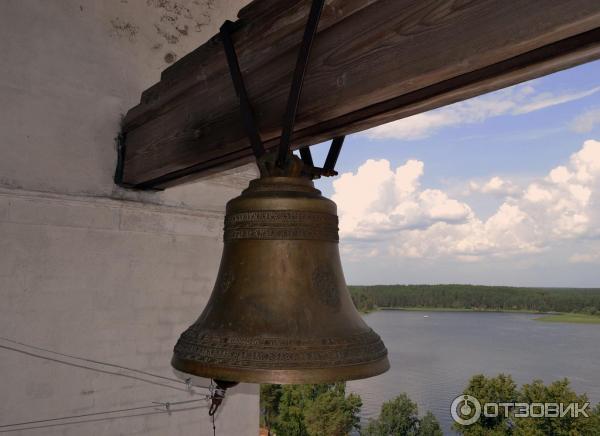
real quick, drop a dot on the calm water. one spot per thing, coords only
(432, 358)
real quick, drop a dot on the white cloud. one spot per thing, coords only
(377, 200)
(547, 99)
(516, 100)
(586, 121)
(495, 185)
(466, 112)
(536, 194)
(416, 126)
(592, 257)
(387, 212)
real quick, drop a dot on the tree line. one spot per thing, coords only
(327, 410)
(502, 389)
(476, 297)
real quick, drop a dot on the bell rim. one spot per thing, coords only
(284, 376)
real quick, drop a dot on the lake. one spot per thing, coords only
(434, 354)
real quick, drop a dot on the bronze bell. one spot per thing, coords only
(280, 311)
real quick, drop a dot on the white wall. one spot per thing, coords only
(87, 268)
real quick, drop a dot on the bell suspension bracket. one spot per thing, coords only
(281, 163)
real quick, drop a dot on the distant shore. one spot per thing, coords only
(575, 305)
(461, 309)
(573, 318)
(554, 317)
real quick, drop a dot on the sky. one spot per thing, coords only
(501, 189)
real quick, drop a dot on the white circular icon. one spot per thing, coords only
(465, 409)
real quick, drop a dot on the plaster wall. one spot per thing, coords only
(88, 269)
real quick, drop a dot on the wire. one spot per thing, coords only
(102, 419)
(76, 365)
(91, 360)
(167, 405)
(75, 416)
(69, 419)
(187, 382)
(85, 415)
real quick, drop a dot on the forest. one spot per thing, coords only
(476, 297)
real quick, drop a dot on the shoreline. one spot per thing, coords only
(462, 309)
(551, 317)
(571, 318)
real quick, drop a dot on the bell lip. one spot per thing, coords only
(284, 376)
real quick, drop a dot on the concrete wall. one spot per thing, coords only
(86, 268)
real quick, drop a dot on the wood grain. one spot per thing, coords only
(372, 62)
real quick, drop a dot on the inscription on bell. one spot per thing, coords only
(281, 224)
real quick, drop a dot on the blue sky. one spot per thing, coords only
(467, 193)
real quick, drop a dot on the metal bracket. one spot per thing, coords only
(298, 80)
(240, 89)
(120, 142)
(330, 161)
(118, 177)
(283, 154)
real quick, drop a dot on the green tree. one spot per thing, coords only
(400, 417)
(500, 389)
(270, 396)
(429, 426)
(595, 419)
(294, 400)
(362, 301)
(478, 297)
(333, 413)
(557, 392)
(311, 410)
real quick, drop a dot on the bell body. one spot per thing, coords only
(280, 311)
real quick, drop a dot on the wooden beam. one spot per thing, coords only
(373, 61)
